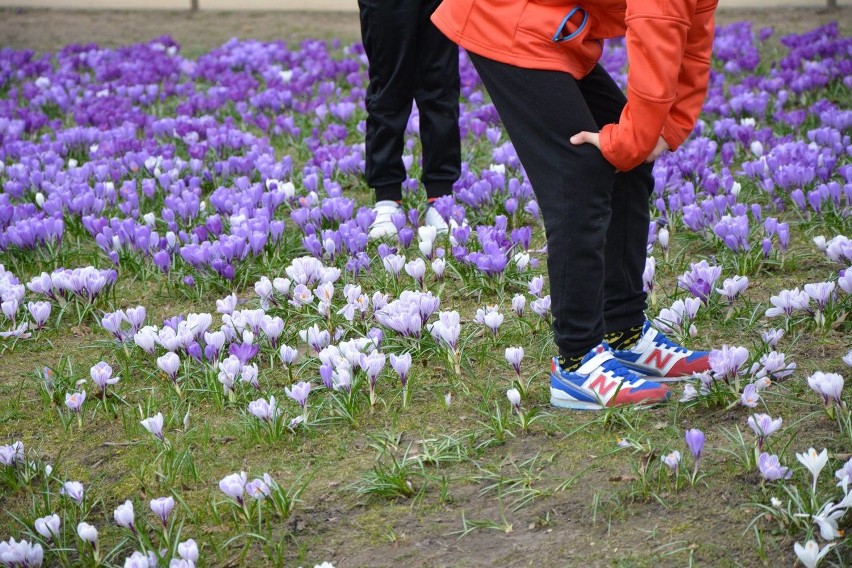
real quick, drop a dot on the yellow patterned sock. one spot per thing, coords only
(625, 338)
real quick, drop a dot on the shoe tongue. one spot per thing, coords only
(596, 352)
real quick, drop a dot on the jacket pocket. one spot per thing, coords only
(551, 26)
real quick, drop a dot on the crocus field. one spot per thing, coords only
(204, 361)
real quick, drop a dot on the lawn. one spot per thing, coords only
(182, 239)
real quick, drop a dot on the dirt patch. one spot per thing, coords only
(49, 30)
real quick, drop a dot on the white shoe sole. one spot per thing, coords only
(644, 372)
(560, 399)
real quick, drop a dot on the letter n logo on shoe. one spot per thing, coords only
(601, 385)
(661, 361)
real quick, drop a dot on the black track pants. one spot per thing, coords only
(596, 220)
(410, 60)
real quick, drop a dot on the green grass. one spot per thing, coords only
(423, 484)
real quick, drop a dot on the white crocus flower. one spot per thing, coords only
(810, 554)
(814, 462)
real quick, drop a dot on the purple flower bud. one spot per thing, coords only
(124, 516)
(514, 355)
(695, 441)
(401, 365)
(234, 486)
(88, 533)
(154, 425)
(73, 490)
(48, 526)
(162, 507)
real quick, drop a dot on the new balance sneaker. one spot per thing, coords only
(383, 225)
(657, 356)
(601, 381)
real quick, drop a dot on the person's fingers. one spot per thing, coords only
(586, 138)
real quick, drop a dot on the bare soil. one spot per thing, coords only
(704, 526)
(49, 30)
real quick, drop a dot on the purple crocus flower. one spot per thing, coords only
(299, 393)
(821, 293)
(12, 454)
(372, 364)
(695, 441)
(136, 317)
(700, 279)
(162, 507)
(40, 312)
(169, 364)
(514, 355)
(829, 386)
(48, 527)
(772, 336)
(234, 486)
(787, 302)
(763, 426)
(536, 285)
(73, 490)
(124, 516)
(74, 401)
(774, 365)
(112, 323)
(326, 371)
(102, 375)
(265, 410)
(245, 352)
(519, 302)
(750, 396)
(257, 489)
(541, 306)
(649, 273)
(315, 337)
(288, 354)
(154, 425)
(162, 261)
(727, 362)
(771, 468)
(401, 365)
(733, 287)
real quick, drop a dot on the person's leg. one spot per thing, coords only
(627, 234)
(541, 110)
(389, 33)
(635, 343)
(437, 95)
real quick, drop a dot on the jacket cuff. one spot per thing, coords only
(610, 154)
(673, 136)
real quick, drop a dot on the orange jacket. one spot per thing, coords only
(668, 47)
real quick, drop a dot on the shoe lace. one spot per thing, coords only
(619, 370)
(664, 341)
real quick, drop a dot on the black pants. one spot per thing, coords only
(410, 60)
(596, 220)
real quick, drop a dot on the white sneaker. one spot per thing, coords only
(434, 219)
(383, 225)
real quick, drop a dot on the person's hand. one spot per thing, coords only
(584, 137)
(661, 147)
